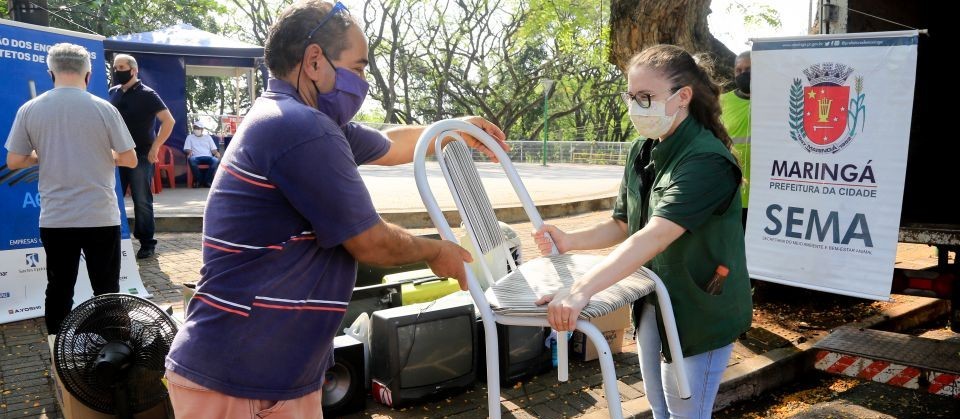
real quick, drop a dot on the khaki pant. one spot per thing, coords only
(191, 400)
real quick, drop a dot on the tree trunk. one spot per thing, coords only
(635, 25)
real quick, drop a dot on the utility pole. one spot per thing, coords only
(30, 11)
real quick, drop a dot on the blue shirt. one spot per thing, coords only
(276, 279)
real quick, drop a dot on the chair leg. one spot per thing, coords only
(563, 372)
(607, 368)
(157, 184)
(493, 368)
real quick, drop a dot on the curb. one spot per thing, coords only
(771, 369)
(419, 219)
(176, 224)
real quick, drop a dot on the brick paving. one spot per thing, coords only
(26, 388)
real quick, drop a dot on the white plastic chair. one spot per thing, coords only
(510, 299)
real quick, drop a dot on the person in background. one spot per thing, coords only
(292, 218)
(140, 107)
(678, 214)
(201, 149)
(735, 105)
(78, 140)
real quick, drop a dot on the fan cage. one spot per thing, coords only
(132, 320)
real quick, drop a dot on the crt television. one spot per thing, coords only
(421, 351)
(522, 352)
(370, 299)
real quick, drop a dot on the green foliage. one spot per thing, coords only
(434, 60)
(430, 60)
(756, 14)
(115, 17)
(567, 27)
(372, 115)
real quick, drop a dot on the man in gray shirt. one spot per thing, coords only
(77, 139)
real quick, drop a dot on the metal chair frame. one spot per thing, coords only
(438, 133)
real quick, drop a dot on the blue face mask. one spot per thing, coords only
(344, 101)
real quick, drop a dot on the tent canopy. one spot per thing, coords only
(183, 39)
(205, 53)
(166, 56)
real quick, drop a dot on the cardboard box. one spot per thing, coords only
(71, 407)
(187, 290)
(74, 409)
(613, 326)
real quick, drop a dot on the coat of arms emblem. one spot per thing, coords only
(824, 118)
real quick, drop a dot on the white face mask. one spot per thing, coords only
(652, 122)
(197, 132)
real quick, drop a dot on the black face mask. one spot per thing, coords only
(743, 82)
(122, 77)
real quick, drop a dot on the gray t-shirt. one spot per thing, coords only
(73, 133)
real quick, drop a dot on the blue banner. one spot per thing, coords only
(22, 259)
(23, 59)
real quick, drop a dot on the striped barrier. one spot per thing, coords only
(890, 358)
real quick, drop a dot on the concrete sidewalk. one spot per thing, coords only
(763, 358)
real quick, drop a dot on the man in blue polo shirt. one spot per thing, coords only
(292, 219)
(140, 107)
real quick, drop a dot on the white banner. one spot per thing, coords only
(831, 124)
(24, 281)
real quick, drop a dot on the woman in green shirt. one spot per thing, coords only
(678, 213)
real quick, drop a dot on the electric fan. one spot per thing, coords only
(110, 353)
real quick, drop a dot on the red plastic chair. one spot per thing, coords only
(190, 173)
(163, 165)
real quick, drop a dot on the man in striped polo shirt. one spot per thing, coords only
(290, 219)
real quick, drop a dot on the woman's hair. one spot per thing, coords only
(682, 69)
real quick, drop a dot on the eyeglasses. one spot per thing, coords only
(339, 7)
(643, 99)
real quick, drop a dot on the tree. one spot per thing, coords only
(575, 38)
(639, 24)
(389, 32)
(115, 17)
(434, 60)
(259, 16)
